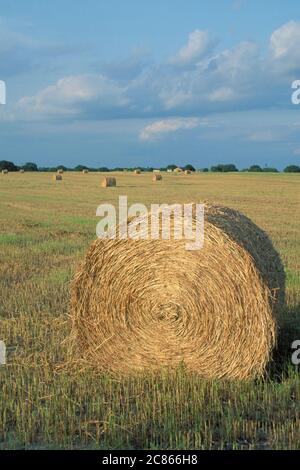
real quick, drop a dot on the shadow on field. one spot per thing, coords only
(289, 331)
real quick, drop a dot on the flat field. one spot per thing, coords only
(45, 229)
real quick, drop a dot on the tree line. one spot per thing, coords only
(220, 168)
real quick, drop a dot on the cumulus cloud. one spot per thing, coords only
(285, 40)
(200, 43)
(73, 95)
(284, 44)
(197, 82)
(157, 129)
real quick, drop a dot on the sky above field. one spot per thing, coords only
(127, 83)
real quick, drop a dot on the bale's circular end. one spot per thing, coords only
(145, 305)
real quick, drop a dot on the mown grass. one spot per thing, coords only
(45, 228)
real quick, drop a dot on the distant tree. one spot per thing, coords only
(30, 167)
(10, 166)
(103, 168)
(80, 168)
(292, 169)
(189, 167)
(61, 167)
(255, 168)
(270, 170)
(230, 167)
(224, 168)
(205, 170)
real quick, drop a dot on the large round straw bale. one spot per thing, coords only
(157, 177)
(57, 177)
(137, 172)
(108, 181)
(140, 305)
(85, 171)
(60, 171)
(4, 172)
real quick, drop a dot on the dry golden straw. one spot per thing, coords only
(157, 177)
(143, 305)
(57, 177)
(108, 181)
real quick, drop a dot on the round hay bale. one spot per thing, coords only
(85, 172)
(143, 305)
(21, 170)
(60, 171)
(4, 172)
(57, 177)
(187, 172)
(157, 177)
(109, 181)
(137, 172)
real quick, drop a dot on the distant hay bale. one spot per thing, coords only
(60, 171)
(169, 171)
(85, 172)
(187, 172)
(21, 170)
(109, 181)
(4, 172)
(137, 172)
(156, 171)
(178, 170)
(157, 177)
(143, 305)
(57, 177)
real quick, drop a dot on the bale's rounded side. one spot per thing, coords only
(145, 305)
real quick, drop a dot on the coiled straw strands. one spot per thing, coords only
(140, 305)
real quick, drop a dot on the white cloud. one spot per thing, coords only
(199, 44)
(159, 128)
(222, 94)
(70, 95)
(285, 50)
(285, 40)
(239, 78)
(263, 136)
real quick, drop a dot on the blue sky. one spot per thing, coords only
(150, 83)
